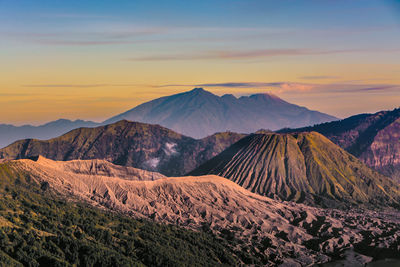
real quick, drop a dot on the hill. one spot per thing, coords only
(10, 133)
(38, 228)
(199, 113)
(233, 225)
(303, 167)
(373, 138)
(144, 146)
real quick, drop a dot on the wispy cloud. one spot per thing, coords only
(224, 55)
(280, 87)
(227, 84)
(319, 77)
(88, 36)
(274, 86)
(368, 88)
(73, 16)
(78, 85)
(252, 54)
(15, 94)
(104, 32)
(82, 43)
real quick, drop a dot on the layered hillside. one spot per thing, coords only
(304, 167)
(140, 145)
(199, 113)
(254, 229)
(39, 228)
(96, 168)
(373, 138)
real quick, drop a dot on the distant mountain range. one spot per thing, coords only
(140, 145)
(303, 167)
(10, 133)
(373, 138)
(199, 113)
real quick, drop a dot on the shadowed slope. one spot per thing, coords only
(373, 138)
(134, 144)
(304, 167)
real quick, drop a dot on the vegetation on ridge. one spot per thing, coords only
(37, 229)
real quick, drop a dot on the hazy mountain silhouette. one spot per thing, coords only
(199, 113)
(10, 133)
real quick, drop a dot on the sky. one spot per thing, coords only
(95, 59)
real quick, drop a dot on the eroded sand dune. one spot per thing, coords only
(277, 232)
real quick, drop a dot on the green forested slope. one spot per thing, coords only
(37, 229)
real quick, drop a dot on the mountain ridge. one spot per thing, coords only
(133, 144)
(302, 167)
(196, 113)
(373, 138)
(199, 113)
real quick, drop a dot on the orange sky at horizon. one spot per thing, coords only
(74, 61)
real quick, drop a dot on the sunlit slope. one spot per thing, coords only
(232, 221)
(304, 167)
(39, 228)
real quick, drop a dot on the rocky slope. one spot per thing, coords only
(273, 232)
(304, 167)
(199, 113)
(373, 138)
(38, 227)
(96, 168)
(139, 145)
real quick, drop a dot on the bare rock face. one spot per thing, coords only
(373, 138)
(303, 167)
(384, 152)
(139, 145)
(277, 233)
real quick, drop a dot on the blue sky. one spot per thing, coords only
(111, 55)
